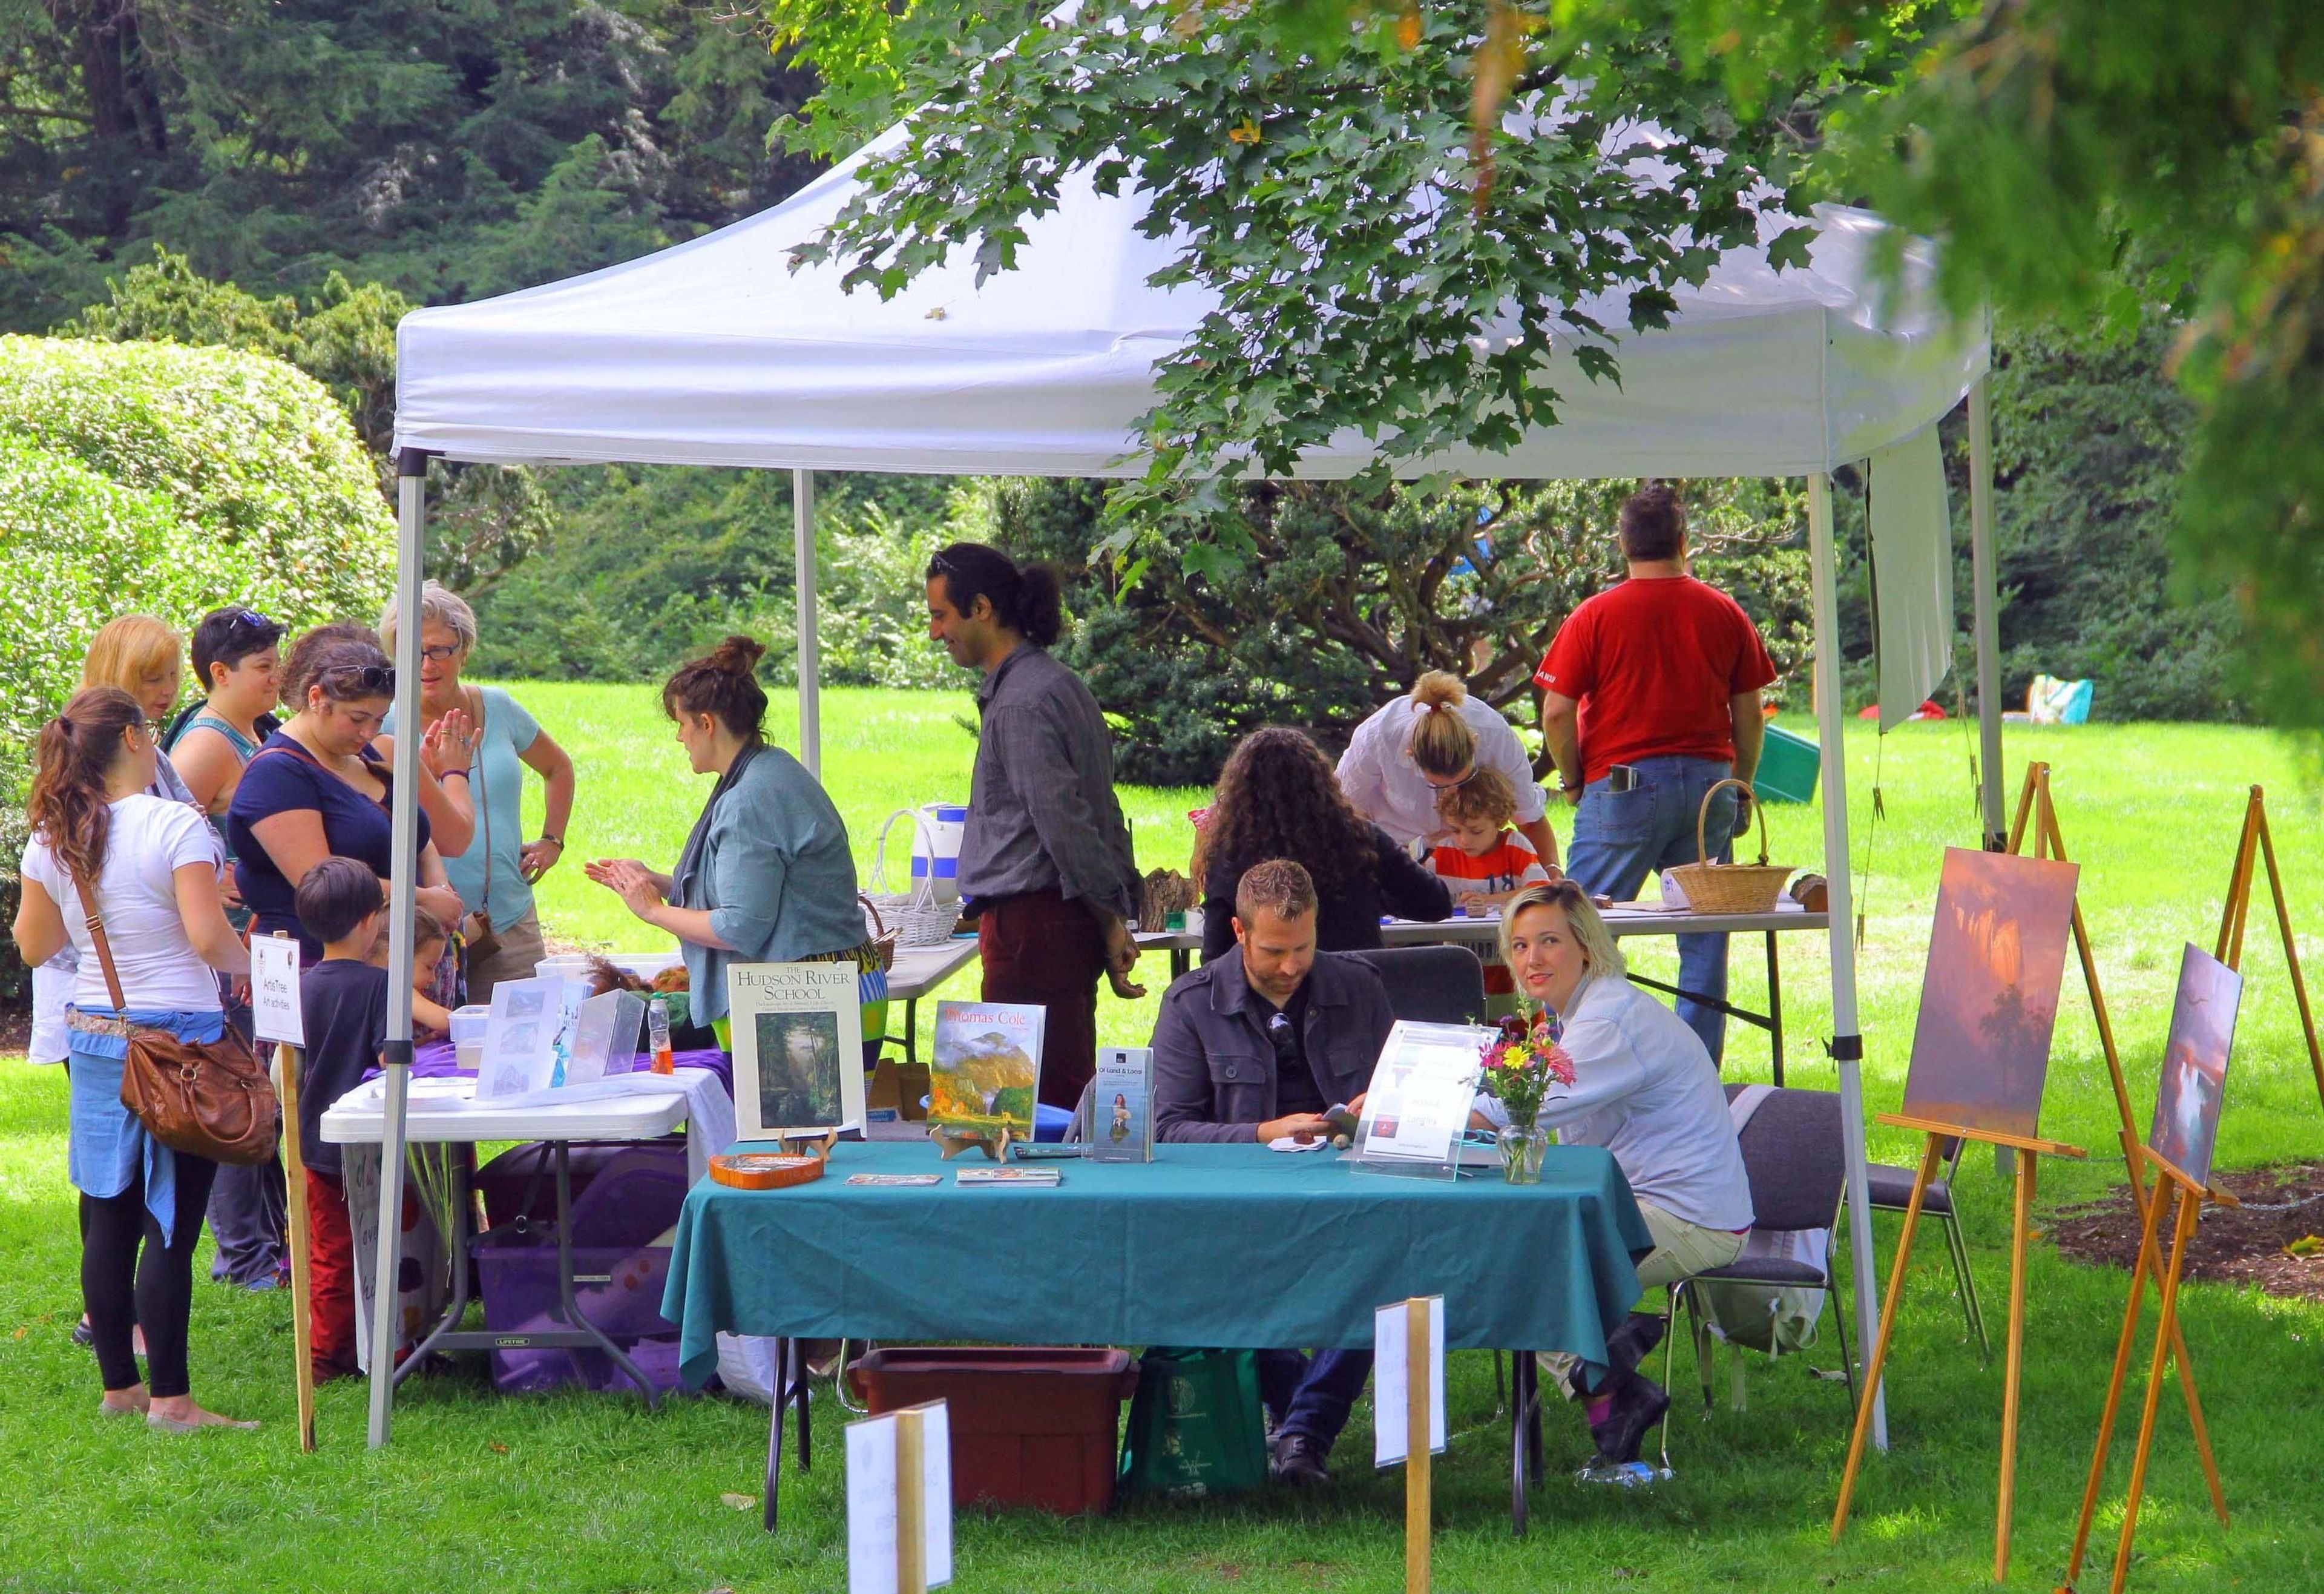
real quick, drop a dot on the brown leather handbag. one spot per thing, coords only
(207, 1098)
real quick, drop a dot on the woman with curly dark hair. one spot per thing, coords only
(1278, 797)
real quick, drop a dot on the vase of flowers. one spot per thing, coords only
(1519, 1069)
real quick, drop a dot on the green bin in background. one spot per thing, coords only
(1789, 765)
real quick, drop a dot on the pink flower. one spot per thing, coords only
(1560, 1065)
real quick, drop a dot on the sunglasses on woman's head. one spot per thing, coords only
(367, 678)
(251, 620)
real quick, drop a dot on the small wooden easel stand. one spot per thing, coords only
(2036, 812)
(1932, 1158)
(288, 1063)
(995, 1147)
(2190, 1202)
(2254, 846)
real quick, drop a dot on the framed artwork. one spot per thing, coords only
(1990, 999)
(798, 1048)
(2195, 1064)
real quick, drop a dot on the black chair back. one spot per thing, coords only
(1431, 985)
(1794, 1156)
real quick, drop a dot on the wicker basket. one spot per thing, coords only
(1731, 888)
(883, 939)
(914, 917)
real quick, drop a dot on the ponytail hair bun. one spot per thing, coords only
(1028, 600)
(1443, 744)
(724, 681)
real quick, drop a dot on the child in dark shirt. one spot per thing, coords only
(343, 1001)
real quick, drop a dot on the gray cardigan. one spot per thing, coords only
(1214, 1067)
(776, 873)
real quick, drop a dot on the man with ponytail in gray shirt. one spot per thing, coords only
(1045, 867)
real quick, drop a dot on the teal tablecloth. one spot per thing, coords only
(1207, 1245)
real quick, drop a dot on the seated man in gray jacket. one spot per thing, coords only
(1254, 1046)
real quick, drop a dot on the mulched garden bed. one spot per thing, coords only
(2244, 1246)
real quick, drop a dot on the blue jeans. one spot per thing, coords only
(1312, 1396)
(1620, 837)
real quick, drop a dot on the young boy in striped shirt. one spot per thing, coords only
(1483, 862)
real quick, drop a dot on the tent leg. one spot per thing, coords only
(1985, 578)
(1847, 1042)
(403, 869)
(810, 662)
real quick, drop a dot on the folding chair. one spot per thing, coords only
(1892, 1189)
(1794, 1158)
(1431, 985)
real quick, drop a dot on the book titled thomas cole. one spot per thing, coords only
(798, 1048)
(987, 1069)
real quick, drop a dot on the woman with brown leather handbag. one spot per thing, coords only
(154, 873)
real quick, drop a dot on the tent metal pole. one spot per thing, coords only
(810, 659)
(403, 869)
(1984, 575)
(1847, 1042)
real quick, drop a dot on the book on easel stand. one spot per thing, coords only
(2037, 814)
(1980, 1057)
(2179, 1149)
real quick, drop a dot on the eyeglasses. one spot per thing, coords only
(939, 565)
(371, 679)
(440, 652)
(252, 620)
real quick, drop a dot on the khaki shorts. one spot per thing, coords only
(1681, 1249)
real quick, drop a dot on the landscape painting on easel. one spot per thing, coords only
(2195, 1064)
(1990, 1000)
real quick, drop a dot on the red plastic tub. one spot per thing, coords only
(1032, 1425)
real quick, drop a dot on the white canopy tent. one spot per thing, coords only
(716, 353)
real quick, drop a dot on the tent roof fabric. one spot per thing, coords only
(715, 352)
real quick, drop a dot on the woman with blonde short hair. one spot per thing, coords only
(490, 740)
(1431, 741)
(1645, 1089)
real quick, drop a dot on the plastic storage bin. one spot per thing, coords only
(1030, 1427)
(1788, 769)
(619, 1290)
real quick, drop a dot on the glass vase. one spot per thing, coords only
(1521, 1154)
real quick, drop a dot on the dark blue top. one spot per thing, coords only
(344, 1004)
(282, 777)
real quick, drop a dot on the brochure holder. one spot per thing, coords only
(1416, 1111)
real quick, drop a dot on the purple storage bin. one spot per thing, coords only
(633, 1200)
(520, 1288)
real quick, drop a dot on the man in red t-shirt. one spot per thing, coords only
(1650, 697)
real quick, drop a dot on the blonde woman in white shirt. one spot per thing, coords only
(1431, 741)
(1645, 1089)
(151, 865)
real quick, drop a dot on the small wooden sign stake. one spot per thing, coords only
(2038, 813)
(1419, 1424)
(288, 1063)
(911, 1525)
(1932, 1158)
(2190, 1197)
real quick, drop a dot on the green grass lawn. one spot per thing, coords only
(589, 1493)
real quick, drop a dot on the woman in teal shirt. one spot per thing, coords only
(493, 740)
(767, 877)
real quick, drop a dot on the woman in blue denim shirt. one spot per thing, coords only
(154, 868)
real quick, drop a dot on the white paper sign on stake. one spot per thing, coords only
(1390, 1381)
(275, 1014)
(872, 1563)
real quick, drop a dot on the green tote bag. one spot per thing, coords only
(1196, 1427)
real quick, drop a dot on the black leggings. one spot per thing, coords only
(125, 1289)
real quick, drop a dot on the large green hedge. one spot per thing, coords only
(149, 478)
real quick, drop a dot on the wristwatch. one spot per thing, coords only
(556, 841)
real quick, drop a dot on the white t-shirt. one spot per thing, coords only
(147, 843)
(1387, 787)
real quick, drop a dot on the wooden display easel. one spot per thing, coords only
(2188, 1203)
(288, 1062)
(2036, 812)
(2255, 845)
(1932, 1159)
(995, 1147)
